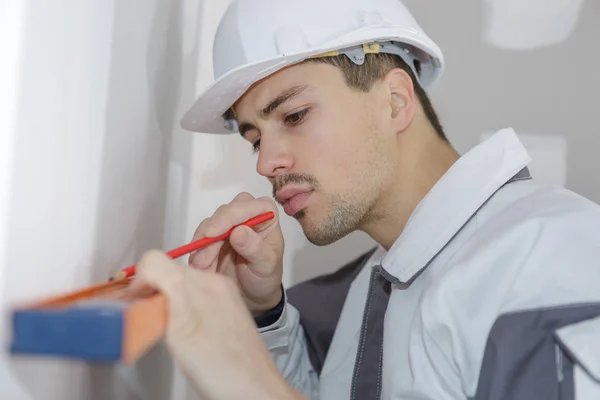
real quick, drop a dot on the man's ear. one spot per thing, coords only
(402, 98)
(397, 104)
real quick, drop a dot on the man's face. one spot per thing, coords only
(327, 149)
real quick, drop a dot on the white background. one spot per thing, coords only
(94, 169)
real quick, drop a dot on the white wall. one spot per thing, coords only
(550, 91)
(11, 34)
(90, 92)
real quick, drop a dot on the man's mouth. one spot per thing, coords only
(293, 199)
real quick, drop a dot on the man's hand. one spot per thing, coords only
(253, 258)
(211, 333)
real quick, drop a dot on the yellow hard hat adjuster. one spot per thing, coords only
(367, 48)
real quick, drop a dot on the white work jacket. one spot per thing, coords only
(492, 291)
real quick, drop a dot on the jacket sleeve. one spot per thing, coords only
(287, 344)
(518, 317)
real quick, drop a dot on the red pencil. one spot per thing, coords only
(197, 244)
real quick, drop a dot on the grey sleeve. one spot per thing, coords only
(299, 341)
(287, 344)
(551, 353)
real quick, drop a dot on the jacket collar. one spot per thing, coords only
(452, 201)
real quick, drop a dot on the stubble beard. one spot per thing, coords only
(343, 218)
(346, 213)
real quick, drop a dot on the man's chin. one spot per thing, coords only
(320, 240)
(316, 236)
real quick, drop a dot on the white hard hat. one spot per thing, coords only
(256, 38)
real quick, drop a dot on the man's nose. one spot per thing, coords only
(274, 158)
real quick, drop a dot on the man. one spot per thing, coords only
(485, 283)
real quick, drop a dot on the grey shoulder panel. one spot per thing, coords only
(319, 302)
(524, 359)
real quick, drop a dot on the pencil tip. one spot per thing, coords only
(112, 278)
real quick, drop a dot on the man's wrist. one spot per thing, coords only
(271, 316)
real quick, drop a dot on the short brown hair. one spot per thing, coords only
(375, 66)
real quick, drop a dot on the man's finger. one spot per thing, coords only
(238, 213)
(243, 196)
(136, 289)
(206, 258)
(201, 229)
(160, 272)
(251, 247)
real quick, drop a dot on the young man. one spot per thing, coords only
(486, 283)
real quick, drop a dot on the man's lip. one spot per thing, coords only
(296, 203)
(283, 195)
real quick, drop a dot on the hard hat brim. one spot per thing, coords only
(206, 114)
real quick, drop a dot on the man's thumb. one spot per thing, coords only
(248, 244)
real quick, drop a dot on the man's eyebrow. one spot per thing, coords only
(278, 101)
(282, 98)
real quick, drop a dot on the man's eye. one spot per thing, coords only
(256, 146)
(296, 118)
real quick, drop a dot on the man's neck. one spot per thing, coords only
(422, 167)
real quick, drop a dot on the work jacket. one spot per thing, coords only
(492, 291)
